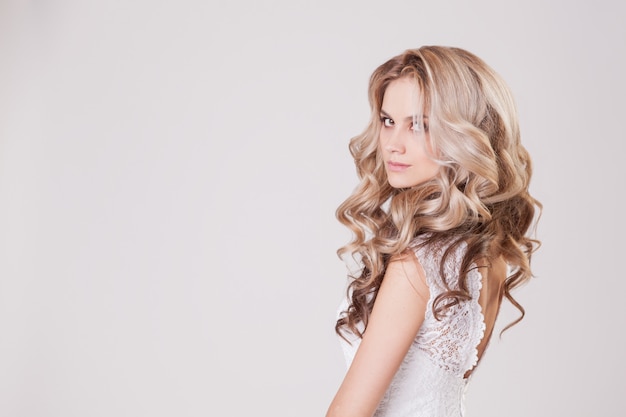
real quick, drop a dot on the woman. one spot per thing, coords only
(440, 221)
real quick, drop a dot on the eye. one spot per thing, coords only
(419, 127)
(387, 122)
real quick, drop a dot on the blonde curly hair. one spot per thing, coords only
(479, 197)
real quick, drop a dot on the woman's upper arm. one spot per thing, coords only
(396, 317)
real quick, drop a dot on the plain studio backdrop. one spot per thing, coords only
(169, 172)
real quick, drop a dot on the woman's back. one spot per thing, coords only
(433, 375)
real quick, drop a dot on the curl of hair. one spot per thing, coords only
(480, 196)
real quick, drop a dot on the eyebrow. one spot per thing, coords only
(409, 118)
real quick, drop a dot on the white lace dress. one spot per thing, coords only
(430, 381)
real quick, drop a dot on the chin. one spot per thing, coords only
(401, 184)
(406, 183)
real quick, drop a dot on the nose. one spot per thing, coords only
(393, 141)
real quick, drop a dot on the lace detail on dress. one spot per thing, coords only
(430, 381)
(453, 341)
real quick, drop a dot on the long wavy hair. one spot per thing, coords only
(479, 197)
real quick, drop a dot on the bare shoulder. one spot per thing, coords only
(406, 269)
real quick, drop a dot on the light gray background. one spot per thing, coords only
(169, 173)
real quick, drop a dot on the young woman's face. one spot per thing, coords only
(405, 145)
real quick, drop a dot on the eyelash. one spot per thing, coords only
(384, 121)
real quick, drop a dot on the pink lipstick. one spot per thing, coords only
(396, 166)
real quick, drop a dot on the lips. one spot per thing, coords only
(396, 166)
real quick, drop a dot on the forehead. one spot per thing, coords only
(402, 97)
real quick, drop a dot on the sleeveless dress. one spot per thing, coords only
(430, 381)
